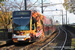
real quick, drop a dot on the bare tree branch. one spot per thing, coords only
(33, 4)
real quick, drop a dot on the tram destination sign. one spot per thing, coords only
(22, 13)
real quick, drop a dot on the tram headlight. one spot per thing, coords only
(28, 35)
(14, 35)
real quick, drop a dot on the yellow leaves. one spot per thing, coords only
(70, 4)
(65, 1)
(1, 15)
(0, 20)
(4, 18)
(71, 10)
(0, 12)
(2, 4)
(66, 5)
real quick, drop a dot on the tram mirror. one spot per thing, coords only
(11, 18)
(33, 26)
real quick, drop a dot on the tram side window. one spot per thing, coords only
(41, 22)
(32, 27)
(34, 21)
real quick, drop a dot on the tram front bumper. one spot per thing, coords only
(17, 38)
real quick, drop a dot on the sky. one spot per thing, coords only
(70, 16)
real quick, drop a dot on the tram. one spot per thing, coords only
(27, 26)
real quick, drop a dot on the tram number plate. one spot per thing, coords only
(21, 39)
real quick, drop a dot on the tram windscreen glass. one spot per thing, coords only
(21, 24)
(22, 13)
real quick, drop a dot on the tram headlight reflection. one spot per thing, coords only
(14, 35)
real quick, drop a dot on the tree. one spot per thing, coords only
(67, 5)
(5, 19)
(31, 5)
(1, 1)
(12, 6)
(6, 12)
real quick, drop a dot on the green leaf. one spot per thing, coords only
(1, 0)
(0, 12)
(2, 4)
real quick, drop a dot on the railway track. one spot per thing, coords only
(30, 46)
(65, 39)
(69, 43)
(49, 42)
(37, 44)
(14, 46)
(58, 46)
(56, 41)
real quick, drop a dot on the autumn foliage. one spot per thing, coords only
(5, 19)
(67, 5)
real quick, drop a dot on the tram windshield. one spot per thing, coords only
(21, 20)
(21, 24)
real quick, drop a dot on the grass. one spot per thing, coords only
(73, 43)
(9, 32)
(73, 26)
(1, 31)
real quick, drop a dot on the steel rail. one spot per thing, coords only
(70, 32)
(7, 47)
(65, 39)
(50, 41)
